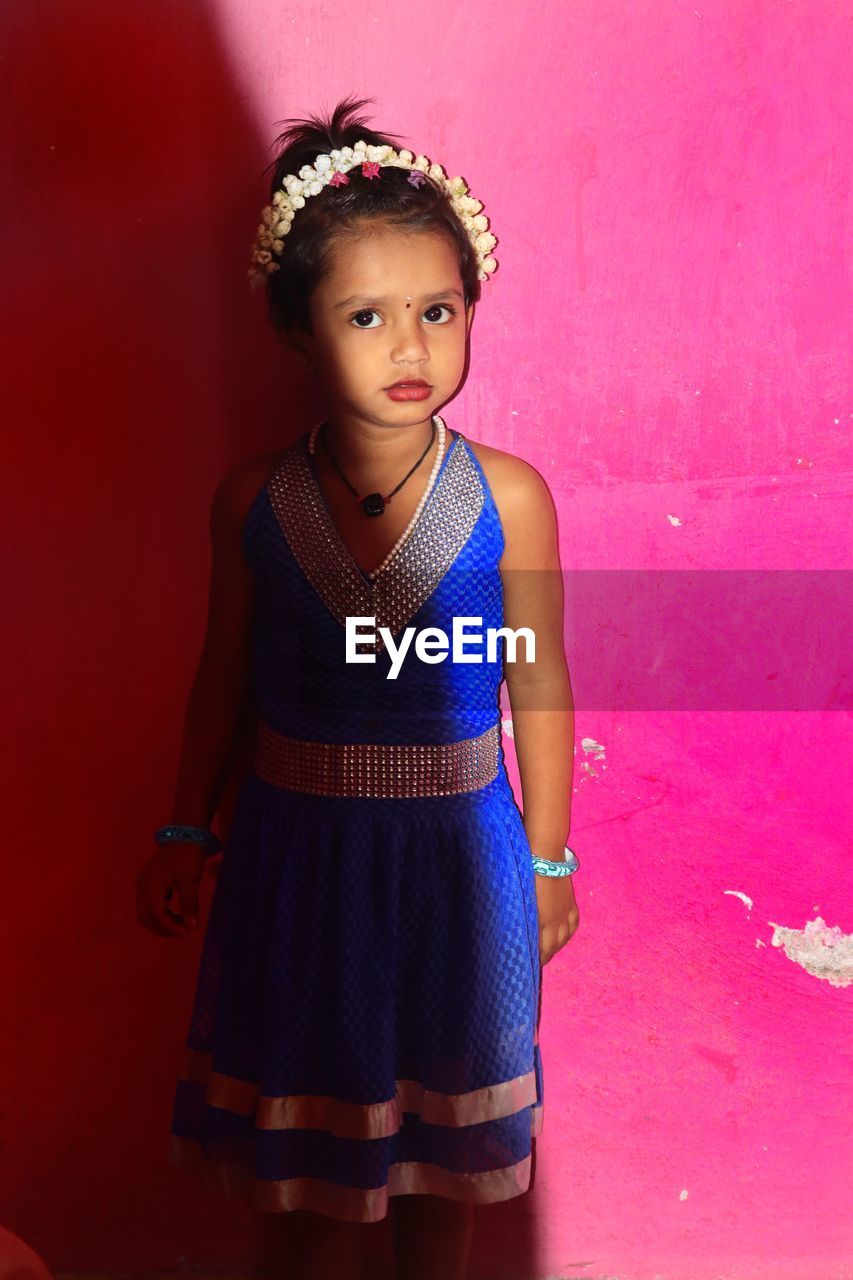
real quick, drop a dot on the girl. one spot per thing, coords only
(365, 1027)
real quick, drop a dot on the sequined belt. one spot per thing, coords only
(377, 768)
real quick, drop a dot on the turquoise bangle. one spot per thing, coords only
(551, 867)
(195, 835)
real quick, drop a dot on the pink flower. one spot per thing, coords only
(370, 169)
(416, 177)
(339, 180)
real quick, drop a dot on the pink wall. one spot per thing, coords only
(667, 340)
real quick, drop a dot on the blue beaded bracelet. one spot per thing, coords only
(551, 867)
(196, 835)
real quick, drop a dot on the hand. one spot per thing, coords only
(175, 870)
(558, 914)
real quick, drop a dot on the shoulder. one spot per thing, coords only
(515, 484)
(239, 486)
(525, 506)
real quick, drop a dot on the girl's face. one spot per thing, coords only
(391, 307)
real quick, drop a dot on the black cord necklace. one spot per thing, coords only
(374, 504)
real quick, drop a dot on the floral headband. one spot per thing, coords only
(332, 170)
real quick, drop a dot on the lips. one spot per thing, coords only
(408, 382)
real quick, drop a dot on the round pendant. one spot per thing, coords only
(373, 504)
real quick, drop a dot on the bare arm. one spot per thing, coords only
(219, 702)
(540, 691)
(220, 697)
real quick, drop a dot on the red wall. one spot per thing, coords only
(667, 341)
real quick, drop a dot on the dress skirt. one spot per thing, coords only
(366, 1016)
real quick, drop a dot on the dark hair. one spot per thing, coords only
(343, 210)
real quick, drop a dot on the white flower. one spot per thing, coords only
(277, 217)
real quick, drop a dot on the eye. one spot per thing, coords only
(364, 313)
(442, 306)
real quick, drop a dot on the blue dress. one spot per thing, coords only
(366, 1015)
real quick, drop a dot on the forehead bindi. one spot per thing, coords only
(364, 300)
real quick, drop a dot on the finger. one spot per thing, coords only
(143, 907)
(187, 887)
(153, 892)
(164, 920)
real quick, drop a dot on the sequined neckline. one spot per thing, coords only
(446, 522)
(370, 576)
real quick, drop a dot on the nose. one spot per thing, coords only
(409, 345)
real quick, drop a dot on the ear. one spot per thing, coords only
(469, 316)
(295, 339)
(300, 342)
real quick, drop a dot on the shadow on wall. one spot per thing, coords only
(144, 368)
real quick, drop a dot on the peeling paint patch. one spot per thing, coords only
(736, 893)
(506, 725)
(596, 750)
(823, 952)
(683, 1195)
(673, 519)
